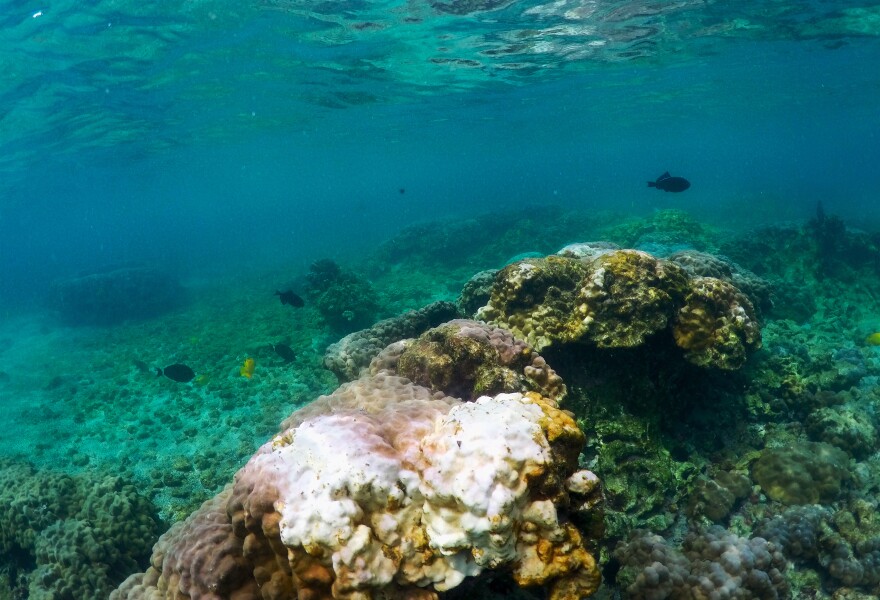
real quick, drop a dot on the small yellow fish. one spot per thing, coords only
(247, 369)
(873, 339)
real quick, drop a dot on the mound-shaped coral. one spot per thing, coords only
(703, 264)
(351, 355)
(468, 359)
(534, 298)
(717, 325)
(813, 534)
(70, 537)
(614, 298)
(711, 564)
(628, 296)
(387, 489)
(345, 301)
(476, 292)
(115, 294)
(804, 473)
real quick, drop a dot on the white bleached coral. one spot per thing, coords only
(387, 489)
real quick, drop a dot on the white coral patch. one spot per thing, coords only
(336, 468)
(475, 486)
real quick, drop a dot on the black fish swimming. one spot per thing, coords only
(177, 372)
(291, 299)
(668, 183)
(285, 352)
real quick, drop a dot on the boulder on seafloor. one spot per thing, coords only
(115, 294)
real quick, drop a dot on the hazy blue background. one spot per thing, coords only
(211, 140)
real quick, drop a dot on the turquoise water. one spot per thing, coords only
(229, 146)
(197, 133)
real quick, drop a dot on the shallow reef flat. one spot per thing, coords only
(675, 409)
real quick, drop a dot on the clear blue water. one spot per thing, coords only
(211, 135)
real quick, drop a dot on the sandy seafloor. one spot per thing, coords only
(88, 399)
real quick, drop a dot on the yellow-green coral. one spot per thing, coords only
(628, 296)
(533, 298)
(716, 326)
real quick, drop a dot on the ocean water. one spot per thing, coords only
(229, 146)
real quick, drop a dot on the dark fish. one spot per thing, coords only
(668, 183)
(285, 352)
(402, 190)
(290, 298)
(177, 372)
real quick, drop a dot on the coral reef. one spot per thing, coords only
(804, 473)
(710, 564)
(476, 292)
(115, 294)
(620, 298)
(717, 325)
(345, 301)
(351, 355)
(468, 359)
(663, 232)
(846, 549)
(715, 498)
(845, 427)
(535, 298)
(628, 296)
(70, 537)
(701, 264)
(418, 491)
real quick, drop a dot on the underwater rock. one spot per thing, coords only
(114, 295)
(468, 359)
(351, 355)
(372, 492)
(804, 473)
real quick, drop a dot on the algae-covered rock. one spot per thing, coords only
(642, 480)
(804, 473)
(346, 301)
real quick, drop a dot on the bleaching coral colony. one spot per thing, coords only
(386, 489)
(613, 298)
